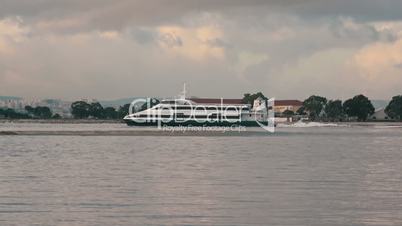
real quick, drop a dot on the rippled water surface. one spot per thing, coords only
(298, 176)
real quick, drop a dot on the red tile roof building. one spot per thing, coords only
(280, 105)
(216, 101)
(283, 105)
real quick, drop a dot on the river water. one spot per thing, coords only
(345, 175)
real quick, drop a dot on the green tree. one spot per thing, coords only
(29, 109)
(110, 113)
(359, 106)
(149, 103)
(56, 116)
(96, 110)
(334, 110)
(301, 111)
(249, 98)
(314, 105)
(42, 112)
(123, 110)
(12, 114)
(80, 109)
(288, 113)
(394, 108)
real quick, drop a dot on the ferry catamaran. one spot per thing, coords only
(187, 112)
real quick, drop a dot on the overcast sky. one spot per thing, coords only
(107, 49)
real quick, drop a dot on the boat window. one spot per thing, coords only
(168, 102)
(183, 108)
(232, 117)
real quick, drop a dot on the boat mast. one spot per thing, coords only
(183, 94)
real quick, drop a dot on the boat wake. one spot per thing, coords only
(300, 124)
(388, 127)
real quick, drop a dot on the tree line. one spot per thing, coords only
(39, 112)
(318, 108)
(79, 110)
(359, 107)
(84, 110)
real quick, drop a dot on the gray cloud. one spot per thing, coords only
(286, 48)
(109, 14)
(171, 40)
(143, 36)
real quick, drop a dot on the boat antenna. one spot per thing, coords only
(183, 94)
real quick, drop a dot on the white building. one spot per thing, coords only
(379, 114)
(259, 104)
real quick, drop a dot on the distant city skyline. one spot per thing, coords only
(107, 50)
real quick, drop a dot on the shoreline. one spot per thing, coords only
(120, 121)
(112, 130)
(132, 133)
(64, 121)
